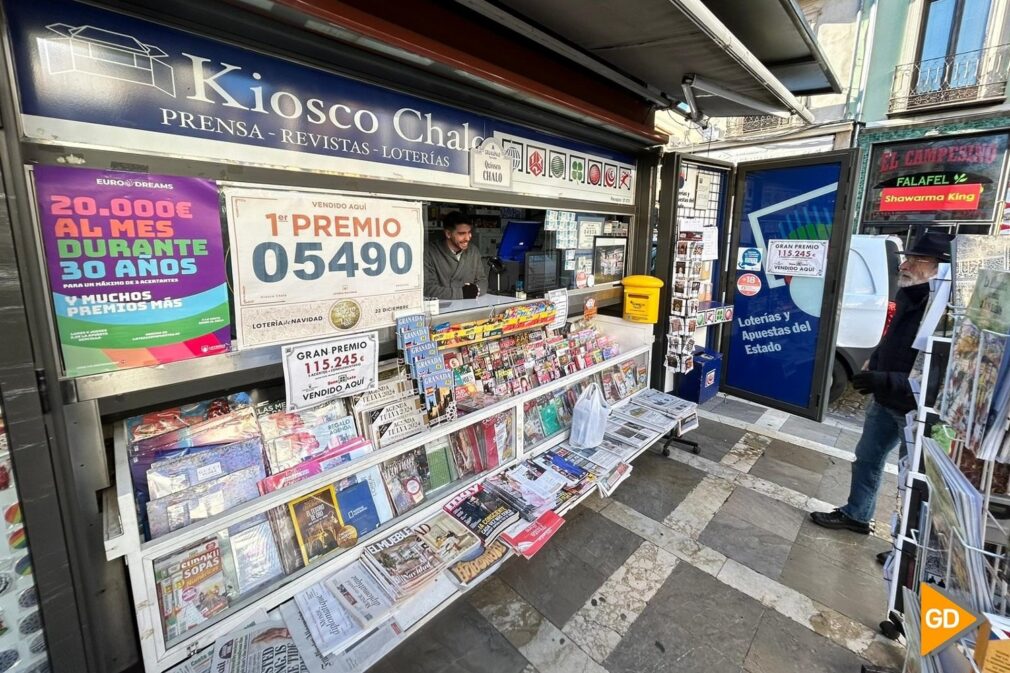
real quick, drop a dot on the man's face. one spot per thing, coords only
(459, 237)
(915, 270)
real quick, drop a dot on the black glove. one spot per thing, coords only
(868, 382)
(470, 291)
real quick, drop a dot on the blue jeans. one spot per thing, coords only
(883, 429)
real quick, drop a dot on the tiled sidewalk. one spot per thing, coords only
(698, 563)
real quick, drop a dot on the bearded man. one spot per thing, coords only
(885, 376)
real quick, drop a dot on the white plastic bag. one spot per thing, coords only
(589, 418)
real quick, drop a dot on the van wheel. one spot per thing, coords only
(839, 380)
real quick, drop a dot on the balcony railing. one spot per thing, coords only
(961, 79)
(737, 126)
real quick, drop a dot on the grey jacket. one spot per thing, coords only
(444, 277)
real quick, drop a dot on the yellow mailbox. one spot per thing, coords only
(641, 298)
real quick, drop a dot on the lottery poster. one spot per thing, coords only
(313, 264)
(136, 267)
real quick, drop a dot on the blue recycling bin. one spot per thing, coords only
(702, 383)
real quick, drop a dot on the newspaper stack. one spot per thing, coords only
(344, 608)
(266, 647)
(683, 412)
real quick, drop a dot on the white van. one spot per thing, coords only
(871, 280)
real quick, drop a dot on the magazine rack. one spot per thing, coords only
(123, 537)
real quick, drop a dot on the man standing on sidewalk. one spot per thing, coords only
(885, 376)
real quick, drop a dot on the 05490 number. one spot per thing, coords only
(271, 263)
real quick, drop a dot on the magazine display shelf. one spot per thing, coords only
(460, 592)
(124, 540)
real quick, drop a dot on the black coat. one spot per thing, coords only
(894, 354)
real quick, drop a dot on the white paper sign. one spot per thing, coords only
(312, 264)
(710, 239)
(588, 230)
(319, 371)
(560, 299)
(691, 224)
(489, 167)
(797, 258)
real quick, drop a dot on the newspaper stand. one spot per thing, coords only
(123, 539)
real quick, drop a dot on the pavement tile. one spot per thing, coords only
(715, 439)
(799, 456)
(741, 411)
(823, 578)
(657, 485)
(787, 474)
(783, 646)
(746, 543)
(767, 513)
(554, 581)
(596, 540)
(693, 623)
(845, 549)
(812, 430)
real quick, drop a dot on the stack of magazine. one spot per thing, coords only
(392, 412)
(493, 370)
(407, 559)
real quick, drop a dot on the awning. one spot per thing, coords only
(660, 44)
(793, 56)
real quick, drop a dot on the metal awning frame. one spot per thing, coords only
(704, 20)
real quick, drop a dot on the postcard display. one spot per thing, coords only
(694, 263)
(963, 459)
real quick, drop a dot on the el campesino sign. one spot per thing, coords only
(935, 180)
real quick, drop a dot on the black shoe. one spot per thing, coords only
(882, 557)
(839, 521)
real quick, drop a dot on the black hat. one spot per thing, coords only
(931, 244)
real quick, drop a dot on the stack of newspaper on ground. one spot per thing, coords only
(958, 527)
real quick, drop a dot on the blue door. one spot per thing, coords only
(791, 230)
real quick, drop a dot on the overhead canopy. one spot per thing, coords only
(608, 64)
(660, 42)
(793, 56)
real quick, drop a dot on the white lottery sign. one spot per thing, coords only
(797, 258)
(320, 371)
(311, 264)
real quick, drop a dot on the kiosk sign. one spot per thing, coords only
(489, 167)
(312, 264)
(88, 75)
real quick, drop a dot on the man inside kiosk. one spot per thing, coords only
(452, 267)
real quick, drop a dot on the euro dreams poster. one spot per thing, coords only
(136, 267)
